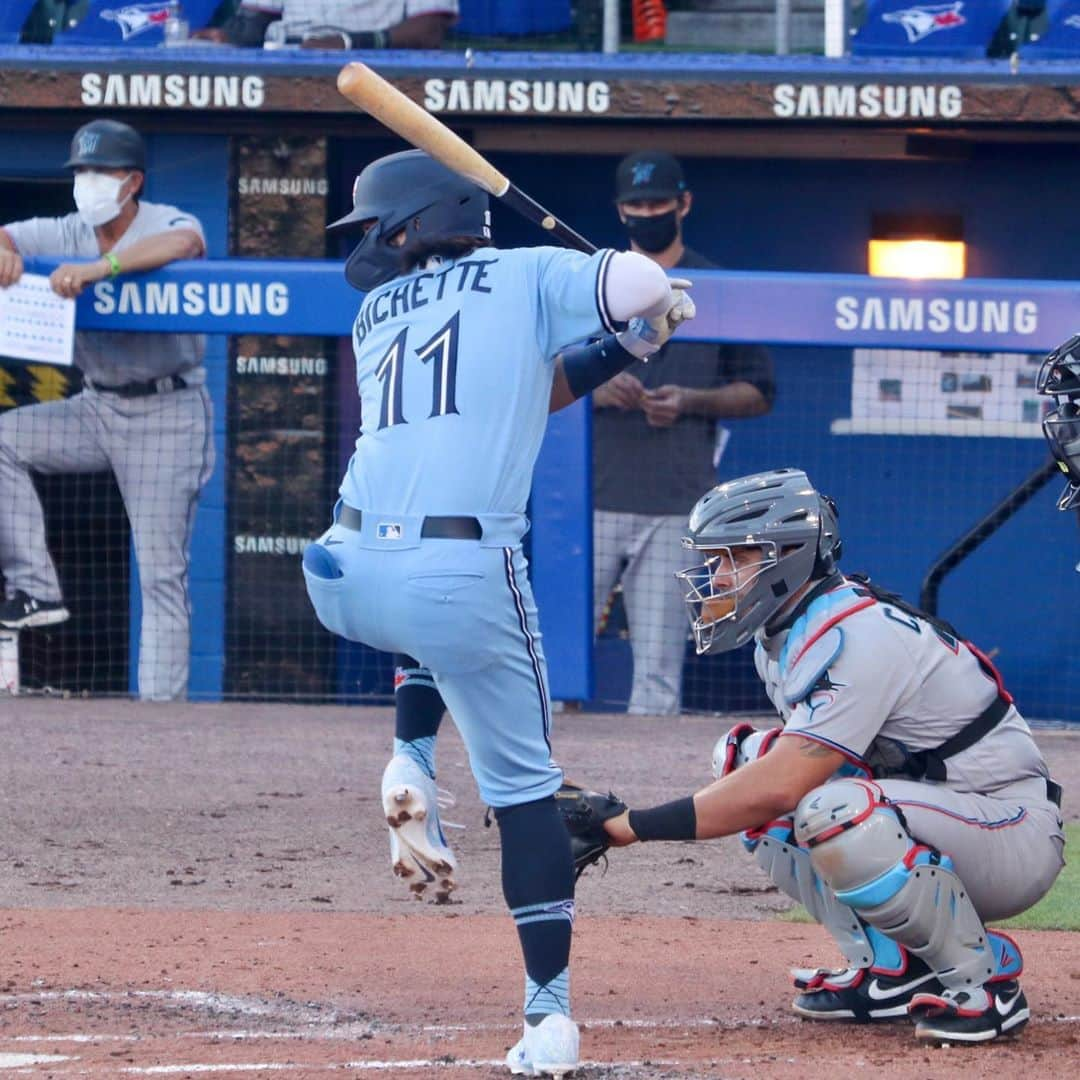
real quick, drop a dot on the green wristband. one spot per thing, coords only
(114, 263)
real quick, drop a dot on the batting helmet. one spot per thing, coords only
(795, 536)
(107, 144)
(410, 191)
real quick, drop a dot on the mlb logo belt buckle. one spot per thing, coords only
(388, 530)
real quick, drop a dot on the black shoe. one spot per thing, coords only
(971, 1016)
(863, 995)
(21, 612)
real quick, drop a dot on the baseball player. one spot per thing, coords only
(143, 412)
(1059, 378)
(455, 344)
(903, 801)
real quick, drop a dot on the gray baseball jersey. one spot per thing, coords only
(105, 357)
(852, 668)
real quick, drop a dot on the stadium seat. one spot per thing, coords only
(485, 18)
(12, 16)
(114, 22)
(1061, 38)
(949, 28)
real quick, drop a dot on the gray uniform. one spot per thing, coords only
(852, 671)
(158, 444)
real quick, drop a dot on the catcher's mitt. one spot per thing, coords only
(584, 813)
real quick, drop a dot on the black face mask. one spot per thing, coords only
(654, 233)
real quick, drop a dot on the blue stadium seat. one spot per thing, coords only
(490, 17)
(1061, 39)
(948, 28)
(118, 22)
(13, 14)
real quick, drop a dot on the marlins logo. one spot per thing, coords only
(642, 172)
(135, 19)
(925, 19)
(88, 143)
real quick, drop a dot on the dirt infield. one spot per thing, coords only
(203, 890)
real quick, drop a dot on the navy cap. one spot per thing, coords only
(648, 174)
(107, 144)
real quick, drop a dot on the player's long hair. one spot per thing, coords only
(446, 247)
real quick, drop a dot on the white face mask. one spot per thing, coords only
(96, 196)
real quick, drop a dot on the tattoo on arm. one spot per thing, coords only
(812, 749)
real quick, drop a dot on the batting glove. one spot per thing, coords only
(643, 337)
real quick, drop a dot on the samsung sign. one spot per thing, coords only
(192, 298)
(872, 101)
(936, 315)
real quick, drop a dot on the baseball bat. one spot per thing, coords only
(372, 93)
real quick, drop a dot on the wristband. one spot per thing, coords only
(588, 367)
(371, 39)
(673, 821)
(114, 263)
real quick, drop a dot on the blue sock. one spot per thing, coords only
(538, 883)
(418, 713)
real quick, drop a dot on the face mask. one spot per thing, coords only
(96, 197)
(653, 233)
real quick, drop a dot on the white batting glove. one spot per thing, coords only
(643, 337)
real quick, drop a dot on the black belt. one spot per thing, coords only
(165, 385)
(433, 528)
(1053, 792)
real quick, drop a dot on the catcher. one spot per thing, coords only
(903, 801)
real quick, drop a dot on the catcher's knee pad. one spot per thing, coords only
(788, 865)
(860, 846)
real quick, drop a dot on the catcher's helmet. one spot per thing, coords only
(410, 191)
(764, 536)
(107, 144)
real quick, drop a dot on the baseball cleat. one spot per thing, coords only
(23, 612)
(419, 853)
(550, 1048)
(861, 995)
(970, 1016)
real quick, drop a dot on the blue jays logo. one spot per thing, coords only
(88, 143)
(135, 19)
(925, 19)
(641, 173)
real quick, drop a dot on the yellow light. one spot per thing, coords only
(917, 258)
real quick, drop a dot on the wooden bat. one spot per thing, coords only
(372, 93)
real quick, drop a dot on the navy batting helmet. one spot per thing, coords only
(763, 537)
(107, 144)
(410, 191)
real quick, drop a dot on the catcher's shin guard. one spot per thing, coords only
(789, 866)
(860, 847)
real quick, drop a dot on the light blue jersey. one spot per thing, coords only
(454, 367)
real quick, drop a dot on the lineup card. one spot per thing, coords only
(35, 323)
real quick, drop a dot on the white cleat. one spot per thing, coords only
(419, 853)
(549, 1049)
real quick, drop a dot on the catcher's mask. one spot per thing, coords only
(1061, 426)
(413, 194)
(763, 537)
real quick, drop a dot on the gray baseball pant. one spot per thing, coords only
(655, 610)
(160, 448)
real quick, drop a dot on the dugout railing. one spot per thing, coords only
(918, 469)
